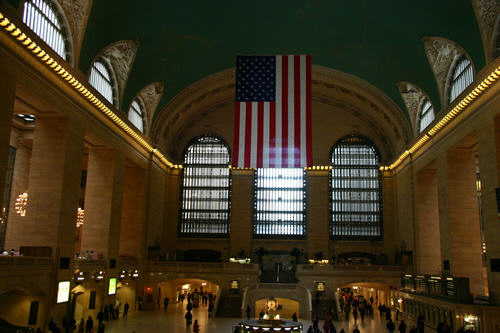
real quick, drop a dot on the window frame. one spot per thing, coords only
(141, 114)
(111, 81)
(460, 78)
(380, 214)
(304, 211)
(227, 233)
(422, 113)
(64, 30)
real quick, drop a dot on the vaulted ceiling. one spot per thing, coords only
(182, 42)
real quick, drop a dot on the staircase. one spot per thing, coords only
(229, 306)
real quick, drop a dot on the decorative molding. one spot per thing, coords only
(77, 13)
(412, 96)
(487, 12)
(442, 55)
(151, 96)
(121, 56)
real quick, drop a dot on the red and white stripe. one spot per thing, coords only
(277, 134)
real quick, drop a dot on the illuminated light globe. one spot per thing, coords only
(21, 202)
(79, 217)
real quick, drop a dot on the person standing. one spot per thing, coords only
(390, 326)
(81, 326)
(165, 303)
(89, 325)
(294, 317)
(196, 326)
(210, 309)
(188, 316)
(100, 317)
(248, 312)
(125, 309)
(356, 329)
(402, 327)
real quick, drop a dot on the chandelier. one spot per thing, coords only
(21, 202)
(79, 217)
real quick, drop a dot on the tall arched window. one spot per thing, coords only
(42, 18)
(279, 203)
(355, 190)
(206, 188)
(100, 78)
(426, 114)
(461, 77)
(136, 116)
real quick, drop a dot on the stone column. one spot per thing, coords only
(318, 221)
(241, 221)
(54, 186)
(157, 179)
(172, 211)
(103, 202)
(463, 218)
(489, 156)
(428, 235)
(133, 217)
(19, 186)
(7, 97)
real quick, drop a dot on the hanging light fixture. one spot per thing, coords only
(79, 217)
(21, 202)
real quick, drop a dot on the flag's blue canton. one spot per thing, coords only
(255, 79)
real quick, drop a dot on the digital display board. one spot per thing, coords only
(112, 286)
(63, 291)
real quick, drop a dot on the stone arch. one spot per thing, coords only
(20, 298)
(77, 13)
(331, 89)
(443, 54)
(487, 12)
(413, 96)
(150, 97)
(495, 40)
(119, 56)
(294, 292)
(61, 14)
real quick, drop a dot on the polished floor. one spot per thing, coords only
(172, 321)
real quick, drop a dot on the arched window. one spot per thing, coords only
(42, 18)
(426, 114)
(279, 203)
(461, 78)
(355, 190)
(206, 188)
(100, 78)
(136, 116)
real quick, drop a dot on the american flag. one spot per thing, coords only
(272, 121)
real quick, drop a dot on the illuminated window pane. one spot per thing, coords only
(279, 203)
(426, 115)
(355, 190)
(41, 17)
(206, 187)
(136, 116)
(100, 79)
(462, 77)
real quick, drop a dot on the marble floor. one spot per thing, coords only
(172, 321)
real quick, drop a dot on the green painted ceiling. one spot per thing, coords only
(184, 41)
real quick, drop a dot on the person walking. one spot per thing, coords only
(125, 309)
(165, 303)
(210, 309)
(356, 329)
(294, 317)
(81, 326)
(100, 317)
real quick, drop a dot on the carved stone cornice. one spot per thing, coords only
(150, 96)
(121, 56)
(77, 13)
(412, 96)
(442, 55)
